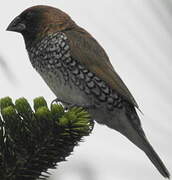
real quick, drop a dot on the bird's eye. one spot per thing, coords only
(29, 15)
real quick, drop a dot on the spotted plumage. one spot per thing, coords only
(52, 54)
(78, 71)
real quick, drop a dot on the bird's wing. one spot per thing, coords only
(88, 52)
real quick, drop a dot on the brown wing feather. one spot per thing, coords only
(87, 50)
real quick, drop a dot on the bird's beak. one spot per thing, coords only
(16, 25)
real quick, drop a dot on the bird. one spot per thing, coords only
(79, 72)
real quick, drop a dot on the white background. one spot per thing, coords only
(137, 36)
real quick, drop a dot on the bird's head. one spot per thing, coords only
(38, 21)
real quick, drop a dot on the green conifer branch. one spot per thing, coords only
(32, 141)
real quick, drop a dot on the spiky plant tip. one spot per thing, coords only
(39, 102)
(32, 141)
(5, 102)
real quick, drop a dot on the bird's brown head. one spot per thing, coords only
(38, 21)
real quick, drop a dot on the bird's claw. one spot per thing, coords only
(60, 100)
(69, 105)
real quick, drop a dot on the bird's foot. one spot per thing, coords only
(69, 105)
(60, 100)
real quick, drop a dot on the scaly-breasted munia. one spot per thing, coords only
(78, 70)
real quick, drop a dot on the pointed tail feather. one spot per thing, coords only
(153, 156)
(130, 126)
(137, 136)
(134, 132)
(140, 140)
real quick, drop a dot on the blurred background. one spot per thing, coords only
(137, 35)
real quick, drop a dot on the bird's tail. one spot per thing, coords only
(134, 132)
(153, 156)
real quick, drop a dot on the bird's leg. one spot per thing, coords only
(60, 100)
(70, 105)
